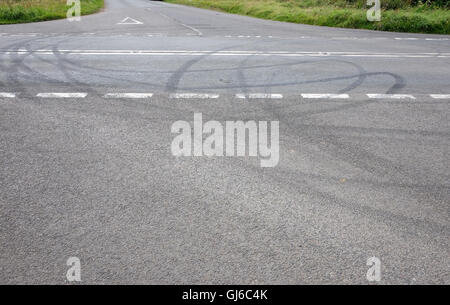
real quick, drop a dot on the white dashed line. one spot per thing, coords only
(194, 95)
(7, 95)
(326, 95)
(440, 96)
(259, 96)
(406, 38)
(199, 33)
(391, 96)
(62, 95)
(128, 95)
(437, 39)
(143, 95)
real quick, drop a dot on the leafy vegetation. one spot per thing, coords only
(19, 11)
(432, 16)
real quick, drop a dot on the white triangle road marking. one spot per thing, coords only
(129, 20)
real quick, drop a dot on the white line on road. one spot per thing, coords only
(182, 24)
(390, 96)
(223, 53)
(199, 33)
(406, 38)
(128, 95)
(326, 95)
(437, 39)
(62, 95)
(192, 29)
(7, 95)
(194, 95)
(259, 96)
(440, 96)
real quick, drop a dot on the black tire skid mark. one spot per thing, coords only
(14, 73)
(364, 160)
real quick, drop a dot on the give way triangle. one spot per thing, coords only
(129, 20)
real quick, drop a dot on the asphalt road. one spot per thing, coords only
(93, 176)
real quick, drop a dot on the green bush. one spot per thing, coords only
(397, 15)
(18, 11)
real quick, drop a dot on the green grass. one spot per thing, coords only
(397, 15)
(21, 11)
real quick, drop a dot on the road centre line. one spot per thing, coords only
(390, 96)
(143, 95)
(128, 95)
(61, 95)
(326, 95)
(259, 96)
(223, 53)
(7, 95)
(440, 96)
(193, 95)
(199, 33)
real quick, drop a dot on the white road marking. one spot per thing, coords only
(248, 36)
(437, 39)
(182, 24)
(24, 35)
(62, 95)
(194, 95)
(440, 96)
(128, 95)
(390, 96)
(325, 95)
(129, 20)
(224, 53)
(345, 38)
(259, 96)
(406, 38)
(192, 29)
(7, 95)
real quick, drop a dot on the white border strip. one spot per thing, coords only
(128, 95)
(223, 53)
(326, 95)
(406, 38)
(7, 95)
(194, 95)
(259, 96)
(62, 95)
(440, 96)
(390, 96)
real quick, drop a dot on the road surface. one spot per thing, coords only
(86, 110)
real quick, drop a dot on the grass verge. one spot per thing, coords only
(397, 15)
(21, 11)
